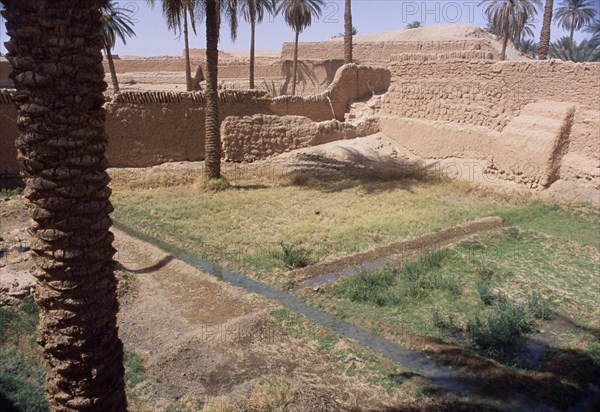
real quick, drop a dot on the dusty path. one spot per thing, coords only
(201, 337)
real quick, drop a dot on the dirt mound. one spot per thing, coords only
(437, 33)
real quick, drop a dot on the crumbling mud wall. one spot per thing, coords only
(383, 52)
(271, 75)
(250, 138)
(150, 128)
(530, 122)
(351, 82)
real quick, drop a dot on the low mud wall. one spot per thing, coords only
(532, 122)
(383, 52)
(149, 128)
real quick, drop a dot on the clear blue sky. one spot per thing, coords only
(153, 38)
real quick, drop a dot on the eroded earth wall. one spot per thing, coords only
(149, 128)
(531, 122)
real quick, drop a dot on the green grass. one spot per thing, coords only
(22, 376)
(245, 224)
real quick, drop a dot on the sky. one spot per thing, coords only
(369, 16)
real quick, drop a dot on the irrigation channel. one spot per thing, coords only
(460, 384)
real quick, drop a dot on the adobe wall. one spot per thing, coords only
(149, 128)
(382, 52)
(250, 138)
(532, 122)
(271, 75)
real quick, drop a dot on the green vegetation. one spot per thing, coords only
(22, 377)
(292, 257)
(242, 226)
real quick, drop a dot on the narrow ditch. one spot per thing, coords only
(401, 251)
(473, 388)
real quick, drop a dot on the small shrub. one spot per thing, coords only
(486, 294)
(504, 332)
(444, 323)
(371, 287)
(293, 257)
(513, 233)
(539, 307)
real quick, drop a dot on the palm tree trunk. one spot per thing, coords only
(545, 34)
(113, 72)
(252, 34)
(61, 152)
(348, 32)
(295, 64)
(212, 135)
(572, 30)
(504, 44)
(188, 67)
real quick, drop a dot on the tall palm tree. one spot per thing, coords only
(298, 14)
(214, 11)
(348, 31)
(574, 15)
(55, 53)
(253, 12)
(176, 12)
(594, 28)
(546, 26)
(508, 18)
(116, 22)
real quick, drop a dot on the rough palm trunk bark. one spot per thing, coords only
(295, 64)
(188, 67)
(113, 71)
(348, 32)
(213, 136)
(546, 28)
(55, 53)
(252, 36)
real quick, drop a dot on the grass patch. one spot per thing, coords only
(22, 376)
(243, 225)
(292, 256)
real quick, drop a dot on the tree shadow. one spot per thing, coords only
(352, 169)
(6, 405)
(564, 378)
(157, 266)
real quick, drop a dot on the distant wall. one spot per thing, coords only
(382, 52)
(273, 76)
(543, 116)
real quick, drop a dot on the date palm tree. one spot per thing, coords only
(176, 12)
(574, 15)
(546, 28)
(508, 18)
(299, 14)
(116, 22)
(348, 32)
(56, 53)
(414, 25)
(213, 11)
(253, 12)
